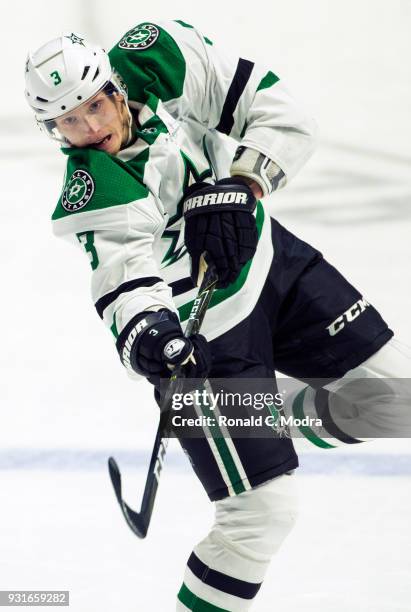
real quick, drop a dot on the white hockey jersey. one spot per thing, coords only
(194, 105)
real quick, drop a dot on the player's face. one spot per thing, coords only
(100, 123)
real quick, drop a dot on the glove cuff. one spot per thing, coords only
(226, 195)
(163, 323)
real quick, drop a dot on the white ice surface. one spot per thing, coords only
(349, 550)
(66, 404)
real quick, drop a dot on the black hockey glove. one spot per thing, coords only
(219, 219)
(152, 343)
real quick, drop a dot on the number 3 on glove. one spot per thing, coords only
(219, 219)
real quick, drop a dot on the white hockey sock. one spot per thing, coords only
(226, 569)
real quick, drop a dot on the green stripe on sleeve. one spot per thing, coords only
(195, 603)
(243, 131)
(113, 328)
(269, 80)
(187, 25)
(184, 23)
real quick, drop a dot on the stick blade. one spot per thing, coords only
(134, 519)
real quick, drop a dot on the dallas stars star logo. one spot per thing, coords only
(78, 191)
(139, 38)
(75, 39)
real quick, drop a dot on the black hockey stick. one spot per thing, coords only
(140, 521)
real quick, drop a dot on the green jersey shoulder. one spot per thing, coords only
(151, 59)
(95, 180)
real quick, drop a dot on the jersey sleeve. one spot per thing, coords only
(115, 220)
(197, 81)
(251, 104)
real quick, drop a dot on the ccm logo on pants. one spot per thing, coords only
(347, 317)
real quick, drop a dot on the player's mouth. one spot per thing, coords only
(102, 144)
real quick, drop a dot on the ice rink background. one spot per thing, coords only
(66, 403)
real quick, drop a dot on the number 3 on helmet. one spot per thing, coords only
(63, 74)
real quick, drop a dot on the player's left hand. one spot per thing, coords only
(219, 219)
(153, 344)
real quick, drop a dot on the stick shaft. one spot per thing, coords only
(140, 521)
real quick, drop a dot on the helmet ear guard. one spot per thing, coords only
(115, 85)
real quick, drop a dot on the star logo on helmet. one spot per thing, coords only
(75, 39)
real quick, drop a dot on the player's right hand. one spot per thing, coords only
(153, 344)
(219, 219)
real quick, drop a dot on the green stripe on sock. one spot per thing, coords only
(192, 602)
(298, 411)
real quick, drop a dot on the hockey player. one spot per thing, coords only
(170, 146)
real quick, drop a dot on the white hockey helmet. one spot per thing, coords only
(63, 74)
